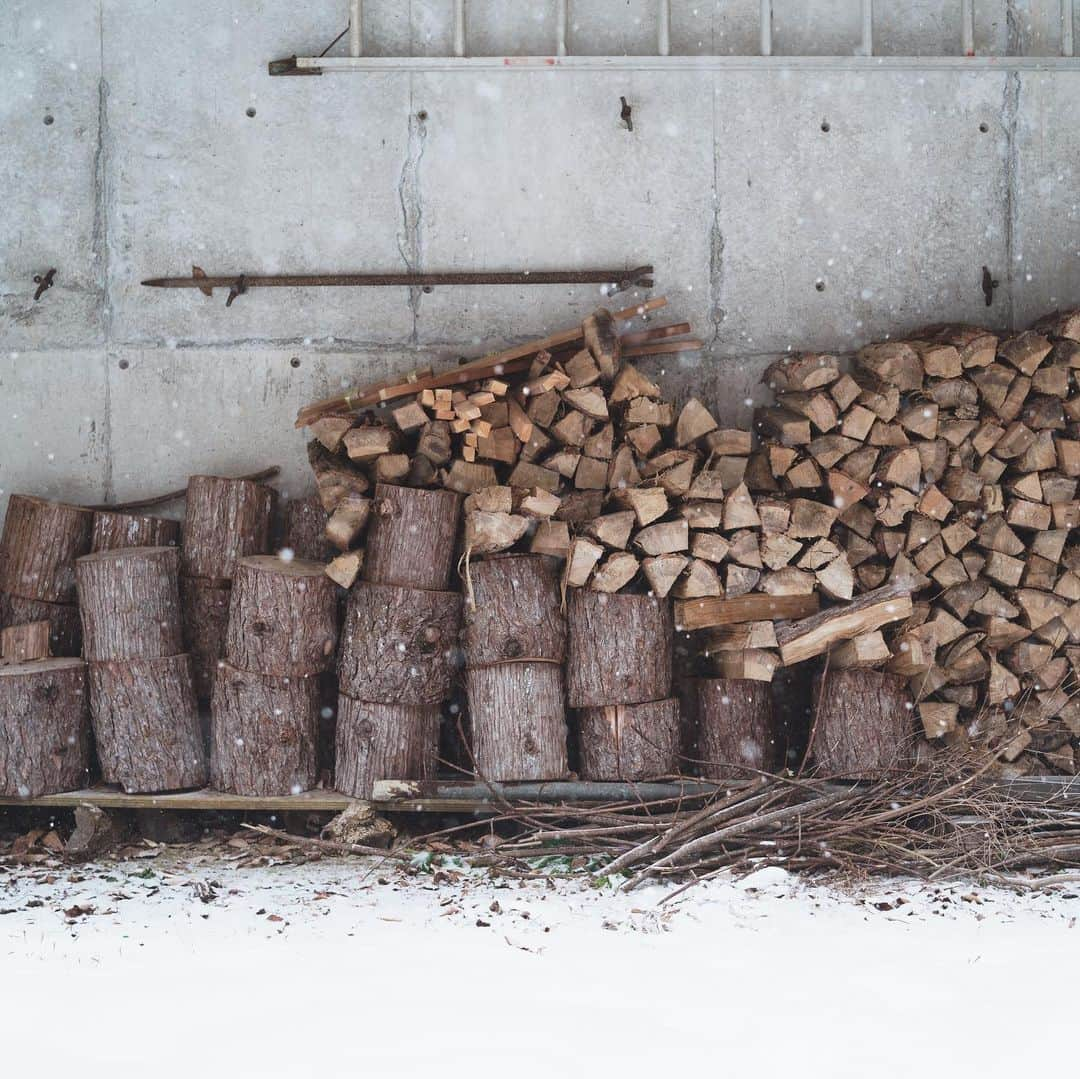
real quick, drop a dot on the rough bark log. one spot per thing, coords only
(283, 617)
(44, 728)
(620, 649)
(383, 741)
(114, 530)
(65, 626)
(264, 739)
(399, 645)
(304, 532)
(629, 741)
(514, 611)
(40, 543)
(146, 724)
(863, 724)
(226, 520)
(129, 601)
(205, 609)
(518, 721)
(736, 727)
(411, 537)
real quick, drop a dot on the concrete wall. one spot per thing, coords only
(129, 153)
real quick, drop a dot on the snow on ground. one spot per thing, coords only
(189, 965)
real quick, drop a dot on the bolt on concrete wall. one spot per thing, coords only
(782, 209)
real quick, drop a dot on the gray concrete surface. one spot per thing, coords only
(728, 184)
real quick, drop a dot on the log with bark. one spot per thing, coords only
(283, 617)
(399, 645)
(518, 721)
(44, 728)
(40, 543)
(18, 644)
(226, 520)
(205, 621)
(629, 741)
(412, 537)
(304, 529)
(65, 627)
(619, 649)
(146, 724)
(737, 733)
(114, 530)
(264, 733)
(129, 602)
(383, 741)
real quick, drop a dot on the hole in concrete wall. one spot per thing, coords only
(123, 365)
(984, 128)
(250, 111)
(295, 361)
(826, 126)
(48, 119)
(819, 285)
(422, 115)
(429, 288)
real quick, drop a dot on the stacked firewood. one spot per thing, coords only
(949, 462)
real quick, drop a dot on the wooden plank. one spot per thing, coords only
(466, 793)
(112, 798)
(711, 611)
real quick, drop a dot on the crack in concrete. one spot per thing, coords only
(1010, 109)
(412, 211)
(717, 314)
(100, 246)
(1016, 38)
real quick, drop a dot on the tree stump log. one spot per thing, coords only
(283, 617)
(146, 724)
(129, 601)
(40, 543)
(399, 645)
(383, 741)
(736, 728)
(264, 733)
(44, 728)
(518, 721)
(205, 610)
(304, 532)
(514, 611)
(411, 540)
(619, 649)
(629, 741)
(115, 530)
(226, 520)
(862, 726)
(65, 626)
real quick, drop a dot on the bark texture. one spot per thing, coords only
(40, 543)
(44, 728)
(399, 644)
(264, 739)
(412, 537)
(146, 724)
(283, 617)
(383, 741)
(863, 725)
(736, 727)
(205, 609)
(620, 649)
(514, 612)
(129, 600)
(518, 721)
(65, 626)
(226, 520)
(304, 531)
(629, 741)
(114, 530)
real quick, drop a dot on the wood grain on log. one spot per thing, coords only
(114, 530)
(65, 626)
(514, 612)
(399, 645)
(40, 543)
(44, 728)
(629, 741)
(264, 733)
(129, 601)
(711, 611)
(304, 532)
(146, 724)
(226, 520)
(412, 537)
(619, 649)
(863, 724)
(518, 721)
(736, 729)
(383, 741)
(205, 609)
(283, 617)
